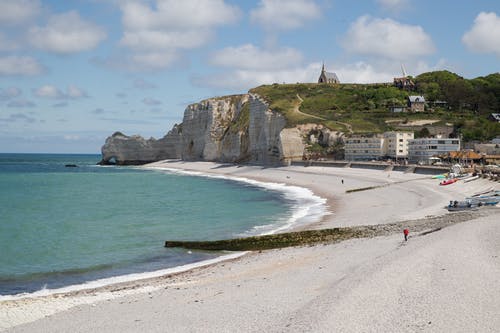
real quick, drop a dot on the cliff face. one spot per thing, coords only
(238, 128)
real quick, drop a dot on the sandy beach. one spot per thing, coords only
(442, 281)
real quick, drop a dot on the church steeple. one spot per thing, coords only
(326, 77)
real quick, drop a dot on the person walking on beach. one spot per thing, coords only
(406, 232)
(342, 181)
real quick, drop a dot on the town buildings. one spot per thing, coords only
(423, 150)
(388, 145)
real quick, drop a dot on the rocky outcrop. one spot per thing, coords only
(135, 150)
(239, 128)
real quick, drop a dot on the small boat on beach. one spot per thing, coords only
(448, 181)
(442, 176)
(454, 206)
(484, 191)
(471, 178)
(485, 200)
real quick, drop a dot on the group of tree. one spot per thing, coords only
(481, 95)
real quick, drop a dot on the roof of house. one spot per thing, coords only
(414, 99)
(470, 155)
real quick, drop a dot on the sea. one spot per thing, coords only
(67, 223)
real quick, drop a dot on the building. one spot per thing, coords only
(364, 148)
(404, 83)
(327, 77)
(487, 148)
(416, 103)
(396, 144)
(390, 144)
(422, 150)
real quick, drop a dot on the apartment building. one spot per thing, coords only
(421, 150)
(396, 144)
(389, 144)
(363, 148)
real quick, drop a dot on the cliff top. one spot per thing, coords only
(365, 108)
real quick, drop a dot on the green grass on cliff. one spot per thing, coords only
(364, 108)
(360, 106)
(242, 121)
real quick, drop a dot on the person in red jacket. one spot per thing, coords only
(406, 232)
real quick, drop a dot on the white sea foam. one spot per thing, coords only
(122, 278)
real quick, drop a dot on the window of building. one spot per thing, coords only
(441, 142)
(455, 142)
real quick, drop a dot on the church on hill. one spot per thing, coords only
(327, 77)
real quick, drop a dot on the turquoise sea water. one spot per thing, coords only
(63, 226)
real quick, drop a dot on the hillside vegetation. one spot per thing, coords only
(364, 108)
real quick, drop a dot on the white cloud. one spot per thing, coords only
(74, 92)
(285, 14)
(387, 38)
(177, 15)
(484, 36)
(244, 79)
(394, 5)
(250, 57)
(16, 12)
(20, 65)
(362, 72)
(248, 65)
(161, 40)
(49, 91)
(156, 34)
(9, 93)
(67, 33)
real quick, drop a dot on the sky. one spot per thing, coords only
(74, 72)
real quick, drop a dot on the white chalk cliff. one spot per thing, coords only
(238, 128)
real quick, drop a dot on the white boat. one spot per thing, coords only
(486, 200)
(471, 178)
